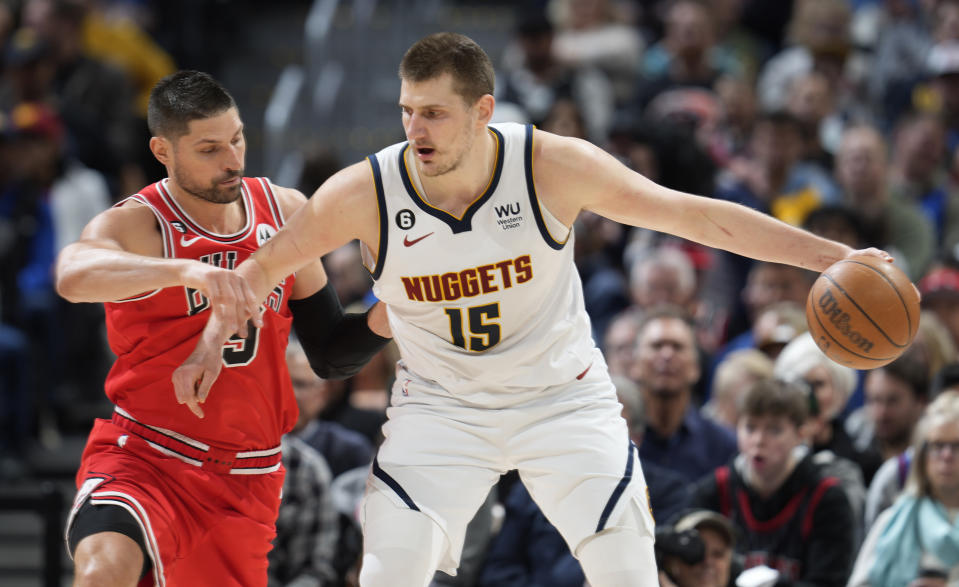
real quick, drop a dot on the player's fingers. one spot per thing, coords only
(195, 408)
(253, 307)
(204, 385)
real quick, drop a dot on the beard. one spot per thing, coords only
(214, 193)
(457, 160)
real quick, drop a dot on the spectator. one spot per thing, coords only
(307, 528)
(94, 98)
(919, 176)
(889, 223)
(916, 541)
(666, 369)
(940, 295)
(663, 275)
(619, 344)
(830, 385)
(734, 375)
(819, 33)
(591, 33)
(896, 395)
(534, 79)
(697, 531)
(341, 448)
(789, 516)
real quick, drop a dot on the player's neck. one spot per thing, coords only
(455, 190)
(216, 218)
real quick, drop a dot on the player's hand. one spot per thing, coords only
(229, 293)
(872, 252)
(193, 379)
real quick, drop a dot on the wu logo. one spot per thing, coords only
(507, 210)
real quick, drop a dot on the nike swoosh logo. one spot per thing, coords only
(185, 242)
(409, 243)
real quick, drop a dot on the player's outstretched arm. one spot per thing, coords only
(572, 175)
(120, 254)
(342, 209)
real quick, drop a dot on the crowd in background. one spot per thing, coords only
(761, 455)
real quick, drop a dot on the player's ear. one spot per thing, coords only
(161, 149)
(484, 108)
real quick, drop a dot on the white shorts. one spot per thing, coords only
(569, 444)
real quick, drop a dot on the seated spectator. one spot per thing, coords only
(773, 177)
(663, 275)
(734, 375)
(532, 78)
(896, 395)
(307, 527)
(666, 369)
(342, 448)
(890, 480)
(940, 295)
(697, 551)
(916, 541)
(590, 33)
(889, 223)
(919, 176)
(619, 344)
(830, 385)
(790, 517)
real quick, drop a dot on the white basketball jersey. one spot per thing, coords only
(487, 303)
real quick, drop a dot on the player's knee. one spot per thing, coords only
(619, 557)
(108, 560)
(101, 573)
(400, 546)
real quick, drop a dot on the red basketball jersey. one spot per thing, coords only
(251, 404)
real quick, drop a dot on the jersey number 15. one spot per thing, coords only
(483, 334)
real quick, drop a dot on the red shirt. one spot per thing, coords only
(251, 404)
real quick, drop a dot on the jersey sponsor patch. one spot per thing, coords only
(508, 215)
(264, 232)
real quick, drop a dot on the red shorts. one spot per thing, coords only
(200, 527)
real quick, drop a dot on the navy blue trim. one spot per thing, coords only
(381, 204)
(385, 478)
(457, 225)
(618, 492)
(531, 190)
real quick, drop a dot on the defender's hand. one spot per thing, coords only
(229, 293)
(192, 380)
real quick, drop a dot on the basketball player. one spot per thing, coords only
(172, 492)
(466, 230)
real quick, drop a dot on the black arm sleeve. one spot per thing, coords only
(337, 345)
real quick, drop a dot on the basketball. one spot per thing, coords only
(863, 312)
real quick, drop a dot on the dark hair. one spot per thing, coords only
(451, 53)
(912, 369)
(182, 97)
(772, 397)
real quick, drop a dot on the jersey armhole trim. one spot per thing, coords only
(166, 237)
(381, 214)
(275, 209)
(531, 190)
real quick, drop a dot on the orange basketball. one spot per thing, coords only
(863, 312)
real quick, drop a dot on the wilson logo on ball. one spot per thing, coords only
(832, 311)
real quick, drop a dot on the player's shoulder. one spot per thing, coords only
(553, 149)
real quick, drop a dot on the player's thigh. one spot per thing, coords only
(440, 462)
(582, 470)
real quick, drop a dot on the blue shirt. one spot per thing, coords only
(696, 449)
